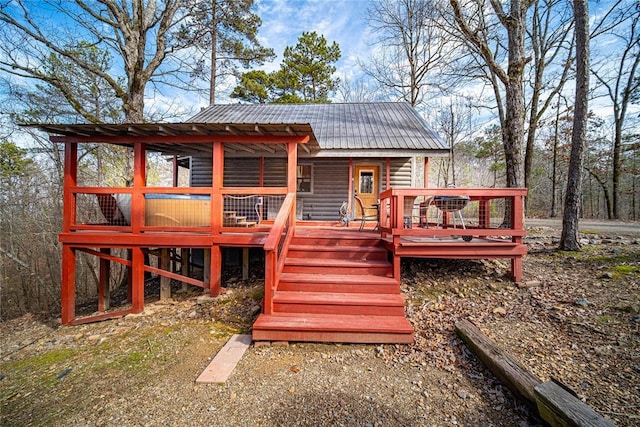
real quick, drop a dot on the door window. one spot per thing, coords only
(367, 184)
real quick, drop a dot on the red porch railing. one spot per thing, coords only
(276, 247)
(455, 223)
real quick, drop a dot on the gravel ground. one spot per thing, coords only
(575, 318)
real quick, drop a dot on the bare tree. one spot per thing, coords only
(138, 31)
(551, 44)
(470, 19)
(569, 238)
(411, 46)
(618, 77)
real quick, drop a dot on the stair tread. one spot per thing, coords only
(339, 278)
(333, 323)
(327, 248)
(333, 263)
(335, 298)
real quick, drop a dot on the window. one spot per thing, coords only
(366, 182)
(304, 179)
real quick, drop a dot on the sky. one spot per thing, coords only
(342, 21)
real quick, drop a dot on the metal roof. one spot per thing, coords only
(352, 126)
(175, 138)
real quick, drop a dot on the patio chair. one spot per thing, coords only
(366, 217)
(344, 213)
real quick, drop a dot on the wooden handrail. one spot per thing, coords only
(276, 230)
(272, 258)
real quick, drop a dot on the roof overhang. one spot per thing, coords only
(190, 139)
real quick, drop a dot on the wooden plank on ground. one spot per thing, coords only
(226, 360)
(558, 407)
(506, 368)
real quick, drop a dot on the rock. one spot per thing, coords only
(204, 299)
(606, 241)
(529, 284)
(584, 241)
(583, 302)
(462, 394)
(500, 310)
(606, 275)
(94, 337)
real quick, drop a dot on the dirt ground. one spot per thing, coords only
(576, 318)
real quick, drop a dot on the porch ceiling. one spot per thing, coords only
(189, 139)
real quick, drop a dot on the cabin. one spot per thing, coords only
(334, 194)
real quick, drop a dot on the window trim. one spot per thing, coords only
(311, 178)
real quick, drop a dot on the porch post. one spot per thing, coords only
(292, 166)
(517, 223)
(137, 222)
(217, 182)
(139, 182)
(137, 273)
(350, 195)
(426, 172)
(104, 299)
(68, 294)
(261, 182)
(388, 172)
(215, 282)
(68, 286)
(215, 256)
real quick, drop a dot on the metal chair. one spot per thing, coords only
(366, 217)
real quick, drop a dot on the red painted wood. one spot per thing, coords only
(139, 182)
(68, 286)
(333, 323)
(137, 280)
(338, 252)
(185, 139)
(339, 303)
(216, 271)
(217, 182)
(104, 254)
(99, 317)
(103, 282)
(345, 337)
(176, 276)
(426, 172)
(70, 181)
(339, 298)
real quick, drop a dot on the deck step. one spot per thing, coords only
(332, 328)
(337, 266)
(337, 252)
(339, 303)
(341, 283)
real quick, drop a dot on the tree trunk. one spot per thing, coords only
(214, 51)
(569, 237)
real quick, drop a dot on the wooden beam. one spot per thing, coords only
(184, 139)
(558, 407)
(508, 370)
(165, 282)
(70, 181)
(137, 280)
(215, 281)
(351, 178)
(104, 295)
(426, 172)
(245, 263)
(139, 182)
(68, 291)
(261, 183)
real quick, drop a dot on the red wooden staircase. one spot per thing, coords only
(336, 287)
